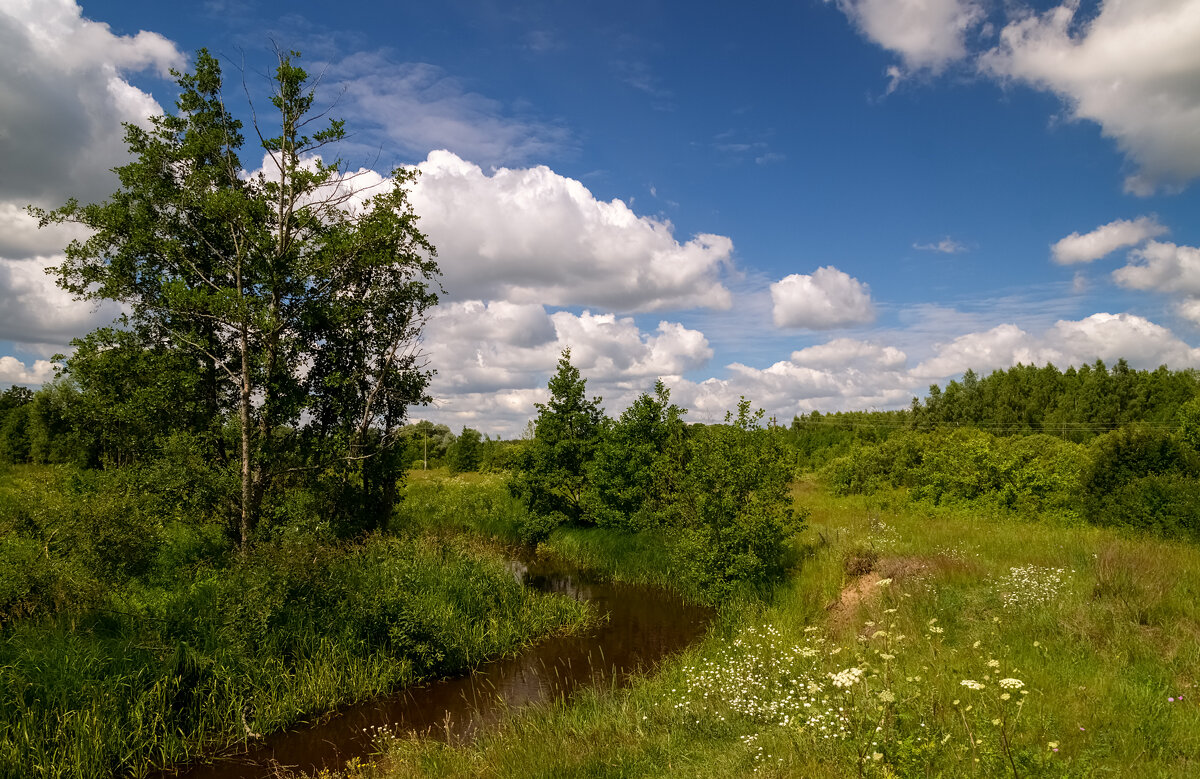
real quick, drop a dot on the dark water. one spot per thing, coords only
(643, 626)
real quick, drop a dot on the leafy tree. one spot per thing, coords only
(130, 396)
(736, 511)
(466, 452)
(300, 310)
(638, 466)
(425, 443)
(1189, 424)
(552, 472)
(14, 424)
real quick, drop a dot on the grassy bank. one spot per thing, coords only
(114, 670)
(910, 643)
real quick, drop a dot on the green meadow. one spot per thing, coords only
(908, 640)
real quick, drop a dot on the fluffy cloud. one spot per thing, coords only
(1107, 337)
(926, 34)
(21, 238)
(828, 298)
(1134, 69)
(1169, 269)
(509, 350)
(850, 353)
(1189, 309)
(983, 352)
(35, 312)
(842, 374)
(63, 99)
(533, 236)
(1163, 267)
(415, 107)
(1110, 337)
(13, 371)
(1076, 248)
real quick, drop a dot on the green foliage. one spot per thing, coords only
(14, 435)
(1136, 476)
(638, 468)
(128, 396)
(819, 438)
(552, 473)
(265, 299)
(868, 467)
(1078, 404)
(1031, 474)
(483, 505)
(14, 424)
(425, 444)
(1189, 424)
(129, 641)
(736, 511)
(719, 493)
(466, 453)
(1146, 478)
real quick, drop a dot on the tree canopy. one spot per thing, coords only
(293, 301)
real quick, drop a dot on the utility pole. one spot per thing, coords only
(426, 467)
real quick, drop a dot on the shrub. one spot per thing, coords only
(736, 512)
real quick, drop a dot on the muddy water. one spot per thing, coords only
(643, 626)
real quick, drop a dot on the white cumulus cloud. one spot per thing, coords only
(510, 349)
(1162, 267)
(1104, 240)
(1133, 68)
(63, 99)
(926, 34)
(828, 298)
(35, 312)
(531, 235)
(843, 374)
(1109, 337)
(13, 371)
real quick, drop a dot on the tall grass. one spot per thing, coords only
(156, 669)
(909, 644)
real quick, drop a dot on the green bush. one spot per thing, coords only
(870, 467)
(1145, 478)
(735, 508)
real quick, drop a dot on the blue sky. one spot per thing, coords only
(822, 205)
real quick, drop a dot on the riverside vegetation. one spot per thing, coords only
(1013, 622)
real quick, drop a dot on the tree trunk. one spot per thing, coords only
(247, 467)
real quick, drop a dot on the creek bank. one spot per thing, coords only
(640, 626)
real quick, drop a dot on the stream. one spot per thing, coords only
(644, 625)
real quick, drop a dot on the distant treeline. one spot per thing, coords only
(1110, 447)
(72, 421)
(1076, 404)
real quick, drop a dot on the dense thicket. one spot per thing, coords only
(1112, 447)
(1136, 476)
(717, 493)
(131, 637)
